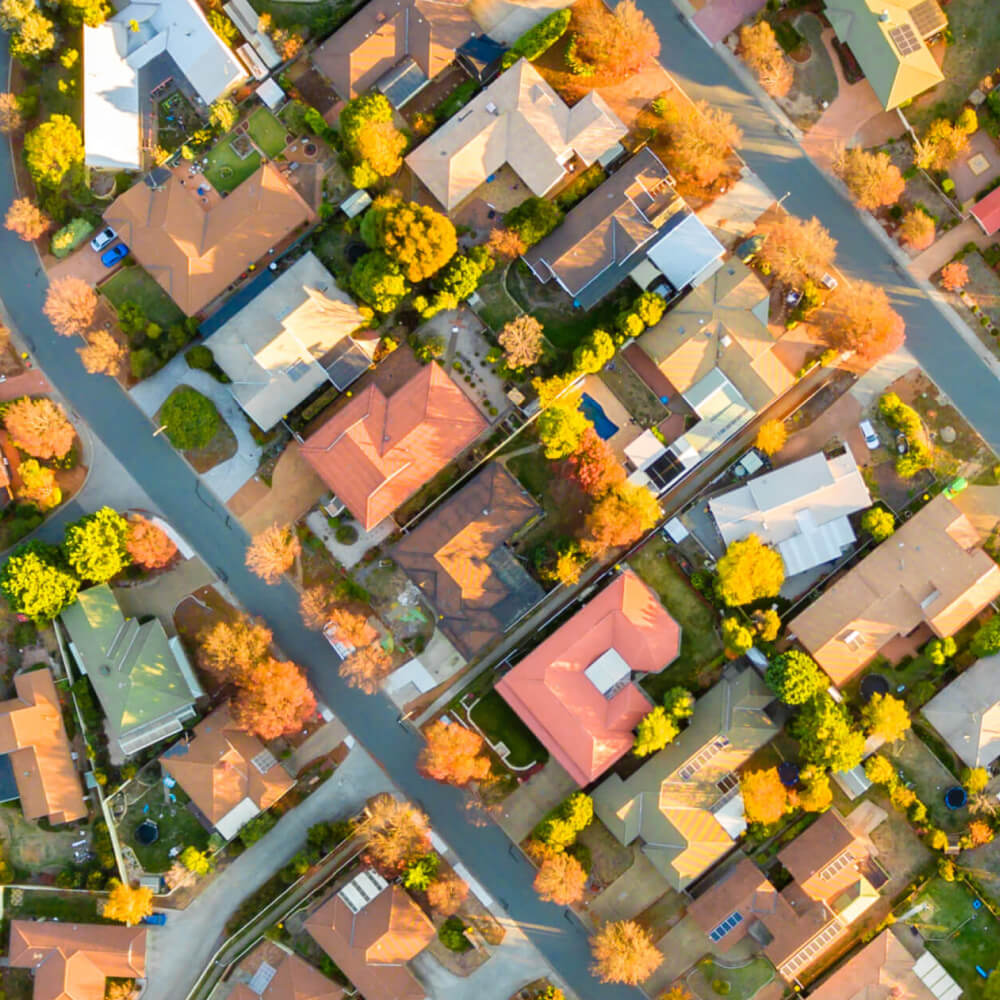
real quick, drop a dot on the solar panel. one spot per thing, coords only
(905, 39)
(665, 470)
(734, 919)
(929, 18)
(297, 370)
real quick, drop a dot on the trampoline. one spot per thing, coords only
(873, 684)
(147, 832)
(788, 773)
(955, 797)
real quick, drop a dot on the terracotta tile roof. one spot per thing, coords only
(294, 979)
(72, 961)
(743, 890)
(377, 451)
(458, 558)
(986, 212)
(33, 734)
(585, 727)
(931, 571)
(196, 253)
(808, 856)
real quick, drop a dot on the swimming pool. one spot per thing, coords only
(594, 412)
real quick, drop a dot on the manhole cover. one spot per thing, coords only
(948, 435)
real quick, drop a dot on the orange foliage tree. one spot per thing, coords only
(314, 606)
(447, 894)
(760, 48)
(26, 219)
(796, 249)
(127, 904)
(872, 178)
(39, 427)
(955, 276)
(620, 517)
(366, 668)
(860, 318)
(148, 544)
(395, 833)
(700, 138)
(70, 305)
(103, 355)
(38, 485)
(351, 628)
(593, 466)
(273, 552)
(917, 229)
(623, 953)
(272, 699)
(560, 879)
(453, 754)
(765, 798)
(620, 43)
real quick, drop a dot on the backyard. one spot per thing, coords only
(134, 284)
(501, 725)
(744, 982)
(176, 824)
(70, 907)
(233, 158)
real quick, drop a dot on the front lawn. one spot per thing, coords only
(744, 982)
(69, 907)
(177, 825)
(267, 131)
(500, 723)
(134, 284)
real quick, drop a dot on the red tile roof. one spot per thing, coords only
(987, 212)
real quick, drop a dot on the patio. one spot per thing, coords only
(977, 168)
(611, 420)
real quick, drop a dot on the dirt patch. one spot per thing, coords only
(396, 600)
(33, 848)
(609, 859)
(220, 449)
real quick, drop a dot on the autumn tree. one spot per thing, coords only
(826, 736)
(315, 606)
(942, 144)
(878, 522)
(561, 879)
(561, 427)
(700, 138)
(39, 427)
(814, 793)
(394, 834)
(796, 249)
(737, 636)
(656, 730)
(453, 754)
(128, 904)
(447, 894)
(11, 117)
(861, 319)
(975, 779)
(620, 517)
(92, 13)
(381, 146)
(621, 42)
(102, 354)
(954, 276)
(70, 305)
(749, 571)
(419, 239)
(623, 953)
(273, 552)
(121, 989)
(795, 677)
(522, 341)
(980, 833)
(872, 179)
(366, 668)
(760, 48)
(765, 798)
(594, 466)
(53, 151)
(148, 544)
(593, 352)
(916, 231)
(37, 583)
(885, 716)
(350, 627)
(32, 33)
(505, 243)
(272, 699)
(771, 437)
(230, 649)
(223, 114)
(38, 485)
(767, 623)
(95, 546)
(26, 219)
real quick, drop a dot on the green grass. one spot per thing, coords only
(133, 284)
(178, 828)
(744, 982)
(497, 309)
(68, 907)
(787, 34)
(500, 723)
(267, 132)
(225, 170)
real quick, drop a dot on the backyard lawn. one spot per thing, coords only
(134, 284)
(744, 982)
(177, 825)
(225, 169)
(500, 723)
(68, 907)
(267, 131)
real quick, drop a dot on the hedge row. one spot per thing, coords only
(540, 38)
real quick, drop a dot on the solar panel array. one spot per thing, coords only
(905, 39)
(726, 926)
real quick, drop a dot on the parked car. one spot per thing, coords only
(871, 438)
(829, 281)
(159, 919)
(111, 257)
(102, 239)
(902, 444)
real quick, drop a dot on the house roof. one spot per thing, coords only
(291, 978)
(967, 713)
(194, 252)
(33, 734)
(931, 570)
(801, 508)
(373, 945)
(459, 559)
(277, 347)
(673, 802)
(110, 100)
(987, 212)
(223, 767)
(72, 961)
(686, 252)
(808, 856)
(721, 324)
(519, 120)
(887, 38)
(574, 691)
(376, 451)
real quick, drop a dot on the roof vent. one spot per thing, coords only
(105, 669)
(726, 340)
(884, 16)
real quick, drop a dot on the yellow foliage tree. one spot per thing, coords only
(128, 904)
(771, 437)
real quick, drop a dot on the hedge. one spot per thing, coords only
(540, 38)
(66, 240)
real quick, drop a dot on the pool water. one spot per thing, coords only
(594, 412)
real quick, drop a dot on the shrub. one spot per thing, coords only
(538, 39)
(200, 358)
(452, 935)
(191, 419)
(346, 534)
(66, 240)
(533, 219)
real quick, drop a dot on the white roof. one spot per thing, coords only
(110, 101)
(687, 253)
(933, 975)
(247, 20)
(608, 671)
(644, 449)
(815, 545)
(237, 818)
(723, 411)
(967, 713)
(412, 672)
(731, 817)
(271, 94)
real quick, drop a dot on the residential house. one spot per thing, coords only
(617, 229)
(33, 737)
(521, 121)
(141, 677)
(834, 881)
(289, 340)
(458, 557)
(229, 775)
(684, 804)
(196, 252)
(272, 972)
(889, 41)
(575, 691)
(802, 509)
(376, 451)
(394, 46)
(986, 212)
(73, 961)
(931, 575)
(966, 713)
(371, 930)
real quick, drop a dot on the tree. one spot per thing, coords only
(561, 879)
(53, 150)
(940, 651)
(195, 861)
(32, 33)
(92, 13)
(679, 702)
(367, 131)
(796, 250)
(980, 833)
(815, 793)
(232, 650)
(191, 419)
(453, 754)
(861, 319)
(700, 140)
(127, 904)
(273, 552)
(872, 179)
(621, 43)
(760, 48)
(366, 668)
(272, 699)
(677, 992)
(655, 731)
(350, 627)
(560, 428)
(39, 427)
(991, 988)
(736, 635)
(795, 677)
(148, 544)
(102, 355)
(447, 894)
(570, 560)
(767, 624)
(878, 522)
(986, 641)
(37, 583)
(594, 466)
(623, 953)
(419, 239)
(885, 716)
(943, 143)
(880, 771)
(522, 340)
(975, 779)
(381, 146)
(620, 517)
(421, 872)
(954, 276)
(95, 546)
(26, 219)
(11, 117)
(748, 572)
(593, 352)
(826, 736)
(916, 231)
(394, 834)
(377, 279)
(223, 114)
(505, 243)
(533, 220)
(70, 305)
(765, 798)
(771, 437)
(315, 605)
(121, 989)
(38, 485)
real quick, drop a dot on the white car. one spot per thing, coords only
(102, 239)
(871, 438)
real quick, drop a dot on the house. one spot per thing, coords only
(575, 691)
(832, 885)
(33, 736)
(481, 57)
(72, 961)
(521, 121)
(229, 775)
(889, 41)
(280, 975)
(459, 559)
(986, 212)
(141, 678)
(608, 235)
(376, 451)
(196, 252)
(371, 930)
(801, 509)
(290, 339)
(886, 968)
(966, 713)
(395, 46)
(684, 803)
(931, 575)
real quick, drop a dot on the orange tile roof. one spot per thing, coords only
(294, 979)
(549, 689)
(72, 961)
(32, 732)
(377, 451)
(817, 847)
(194, 252)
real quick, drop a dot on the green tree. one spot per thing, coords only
(560, 428)
(975, 779)
(654, 732)
(594, 352)
(991, 988)
(878, 522)
(986, 641)
(940, 651)
(885, 716)
(96, 545)
(370, 137)
(679, 703)
(826, 736)
(420, 240)
(89, 12)
(377, 279)
(191, 419)
(461, 276)
(748, 572)
(533, 220)
(223, 114)
(795, 677)
(421, 872)
(649, 307)
(53, 150)
(37, 583)
(736, 634)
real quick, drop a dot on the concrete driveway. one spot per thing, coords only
(543, 791)
(721, 17)
(507, 20)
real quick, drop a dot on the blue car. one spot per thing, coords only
(111, 257)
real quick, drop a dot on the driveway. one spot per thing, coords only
(161, 595)
(84, 263)
(294, 489)
(543, 791)
(941, 251)
(721, 17)
(637, 888)
(507, 20)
